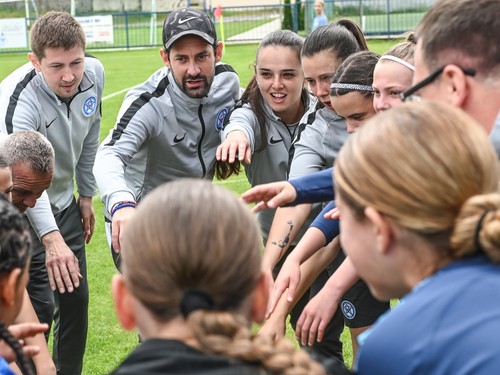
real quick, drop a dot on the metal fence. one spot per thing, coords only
(236, 24)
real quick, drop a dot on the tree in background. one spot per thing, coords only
(301, 10)
(287, 19)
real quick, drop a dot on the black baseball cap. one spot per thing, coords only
(188, 21)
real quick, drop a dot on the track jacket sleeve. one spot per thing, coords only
(315, 187)
(308, 150)
(243, 119)
(85, 180)
(116, 151)
(329, 227)
(41, 216)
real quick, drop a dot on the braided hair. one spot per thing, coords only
(22, 361)
(204, 272)
(15, 252)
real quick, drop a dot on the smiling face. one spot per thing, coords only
(192, 62)
(62, 69)
(354, 107)
(390, 79)
(318, 73)
(280, 79)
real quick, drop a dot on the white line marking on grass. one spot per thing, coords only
(115, 94)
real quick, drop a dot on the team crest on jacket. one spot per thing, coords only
(89, 106)
(219, 120)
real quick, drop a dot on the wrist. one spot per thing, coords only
(51, 238)
(267, 267)
(335, 289)
(119, 205)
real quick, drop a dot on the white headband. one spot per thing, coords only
(351, 86)
(398, 60)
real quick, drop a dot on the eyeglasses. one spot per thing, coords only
(410, 94)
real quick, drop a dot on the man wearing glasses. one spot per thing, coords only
(457, 59)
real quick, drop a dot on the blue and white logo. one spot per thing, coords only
(89, 106)
(219, 120)
(348, 309)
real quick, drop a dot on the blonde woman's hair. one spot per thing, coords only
(404, 50)
(431, 169)
(192, 237)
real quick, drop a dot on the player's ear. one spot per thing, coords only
(218, 51)
(456, 84)
(8, 289)
(164, 57)
(260, 298)
(383, 229)
(123, 303)
(35, 61)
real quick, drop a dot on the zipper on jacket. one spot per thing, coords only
(200, 155)
(68, 104)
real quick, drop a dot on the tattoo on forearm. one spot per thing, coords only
(286, 240)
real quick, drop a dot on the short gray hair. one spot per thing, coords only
(3, 160)
(29, 147)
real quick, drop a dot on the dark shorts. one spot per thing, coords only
(359, 307)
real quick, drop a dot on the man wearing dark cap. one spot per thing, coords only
(167, 127)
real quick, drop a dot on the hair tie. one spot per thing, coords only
(477, 244)
(398, 60)
(195, 299)
(351, 86)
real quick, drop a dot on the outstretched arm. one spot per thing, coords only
(62, 265)
(235, 146)
(271, 195)
(290, 274)
(87, 215)
(309, 270)
(286, 225)
(42, 360)
(315, 187)
(320, 309)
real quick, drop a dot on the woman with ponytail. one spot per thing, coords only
(192, 283)
(15, 255)
(417, 190)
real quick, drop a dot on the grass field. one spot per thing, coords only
(108, 344)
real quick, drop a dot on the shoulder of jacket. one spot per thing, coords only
(221, 67)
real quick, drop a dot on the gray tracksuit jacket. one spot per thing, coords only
(161, 135)
(27, 103)
(319, 143)
(269, 163)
